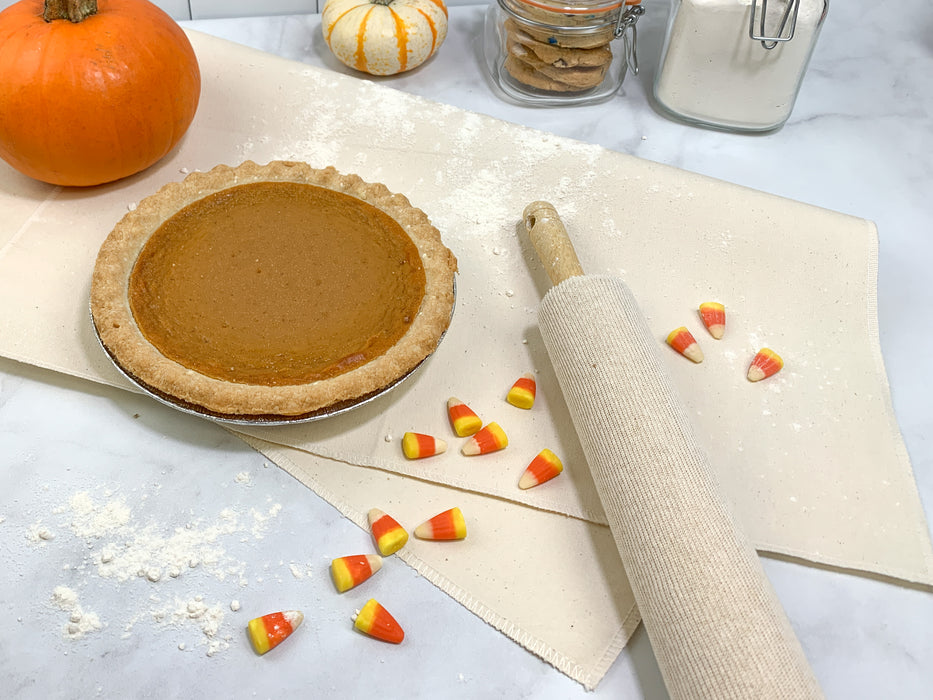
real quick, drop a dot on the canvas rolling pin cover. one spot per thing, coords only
(700, 605)
(551, 242)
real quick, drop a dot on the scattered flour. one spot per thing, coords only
(147, 552)
(39, 534)
(194, 612)
(122, 550)
(260, 519)
(80, 621)
(393, 124)
(90, 520)
(478, 202)
(300, 573)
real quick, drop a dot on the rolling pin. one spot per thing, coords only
(714, 621)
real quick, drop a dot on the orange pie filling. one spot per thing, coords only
(276, 283)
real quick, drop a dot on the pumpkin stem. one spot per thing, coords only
(72, 10)
(382, 2)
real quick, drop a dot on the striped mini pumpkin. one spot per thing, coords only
(384, 37)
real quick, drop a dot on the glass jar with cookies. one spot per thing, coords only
(555, 52)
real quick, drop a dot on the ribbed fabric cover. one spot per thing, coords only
(715, 624)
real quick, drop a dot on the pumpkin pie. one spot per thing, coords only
(278, 290)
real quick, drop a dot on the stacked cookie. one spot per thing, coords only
(556, 61)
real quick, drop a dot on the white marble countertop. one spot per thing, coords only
(83, 465)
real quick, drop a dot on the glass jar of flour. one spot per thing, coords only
(737, 64)
(559, 52)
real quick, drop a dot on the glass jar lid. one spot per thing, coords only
(576, 16)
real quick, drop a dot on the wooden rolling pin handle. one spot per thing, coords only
(551, 242)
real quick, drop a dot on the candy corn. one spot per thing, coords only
(765, 363)
(376, 621)
(683, 342)
(388, 534)
(714, 318)
(462, 418)
(489, 439)
(522, 393)
(448, 525)
(268, 631)
(419, 446)
(543, 468)
(351, 571)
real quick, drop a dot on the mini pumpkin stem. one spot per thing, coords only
(72, 10)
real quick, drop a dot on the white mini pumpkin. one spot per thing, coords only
(384, 37)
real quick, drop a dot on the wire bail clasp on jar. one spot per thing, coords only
(627, 20)
(784, 32)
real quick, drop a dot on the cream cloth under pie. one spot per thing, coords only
(811, 459)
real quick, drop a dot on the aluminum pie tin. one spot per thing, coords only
(329, 411)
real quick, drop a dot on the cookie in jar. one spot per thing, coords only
(551, 52)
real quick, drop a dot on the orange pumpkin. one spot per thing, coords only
(96, 92)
